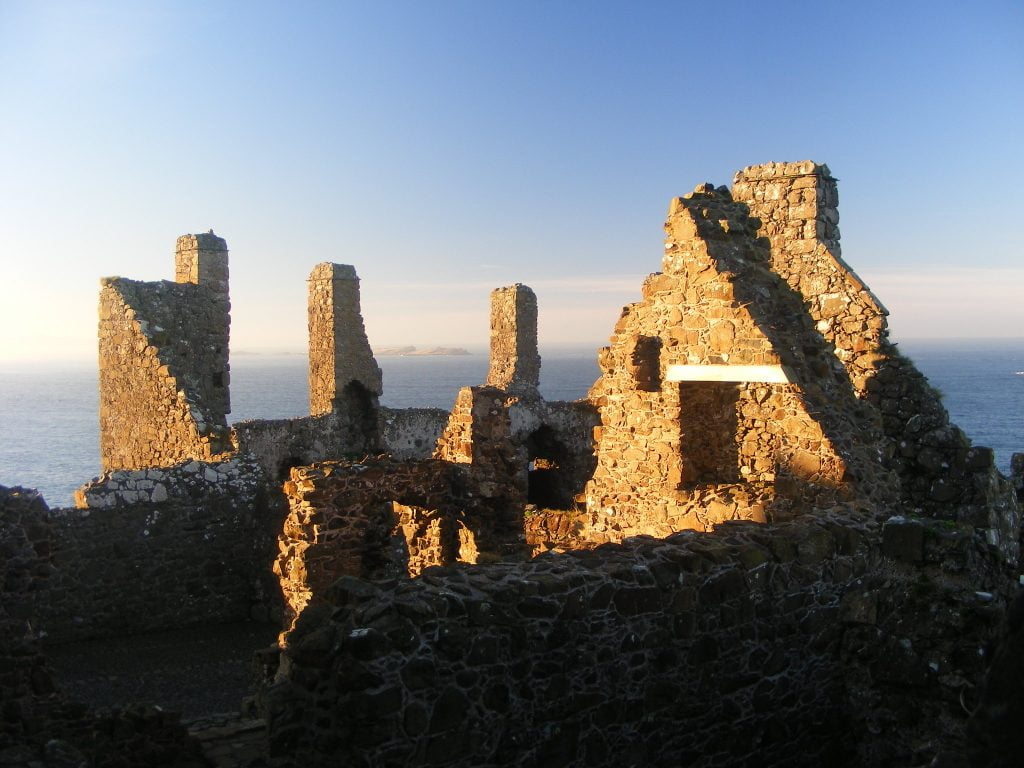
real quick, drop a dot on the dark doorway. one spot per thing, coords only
(359, 407)
(549, 477)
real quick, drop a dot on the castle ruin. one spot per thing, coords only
(757, 541)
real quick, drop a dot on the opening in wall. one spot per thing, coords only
(708, 428)
(549, 479)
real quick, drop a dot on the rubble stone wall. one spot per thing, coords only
(784, 645)
(39, 726)
(163, 358)
(674, 455)
(377, 518)
(152, 549)
(412, 433)
(941, 474)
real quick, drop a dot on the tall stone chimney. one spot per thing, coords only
(339, 352)
(515, 362)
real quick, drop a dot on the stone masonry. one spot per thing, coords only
(163, 356)
(339, 353)
(515, 362)
(808, 643)
(719, 398)
(785, 554)
(941, 474)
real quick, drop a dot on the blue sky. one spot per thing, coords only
(448, 148)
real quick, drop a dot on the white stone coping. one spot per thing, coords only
(767, 374)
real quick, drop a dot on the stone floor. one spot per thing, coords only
(202, 672)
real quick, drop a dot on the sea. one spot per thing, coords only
(49, 423)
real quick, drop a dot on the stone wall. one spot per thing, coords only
(713, 444)
(163, 357)
(38, 725)
(412, 433)
(152, 549)
(280, 444)
(25, 677)
(377, 518)
(785, 645)
(941, 475)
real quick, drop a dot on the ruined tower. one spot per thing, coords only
(515, 362)
(163, 349)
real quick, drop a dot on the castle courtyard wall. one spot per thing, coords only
(155, 549)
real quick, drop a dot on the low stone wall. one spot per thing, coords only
(767, 646)
(378, 518)
(39, 726)
(152, 549)
(412, 433)
(280, 444)
(277, 445)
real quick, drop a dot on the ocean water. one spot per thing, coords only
(49, 425)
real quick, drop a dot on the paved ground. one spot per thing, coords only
(203, 672)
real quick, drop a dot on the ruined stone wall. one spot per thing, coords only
(163, 357)
(674, 454)
(39, 726)
(25, 677)
(157, 548)
(515, 362)
(941, 475)
(785, 645)
(797, 208)
(378, 518)
(342, 371)
(412, 433)
(479, 433)
(280, 444)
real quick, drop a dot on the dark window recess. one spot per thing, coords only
(550, 484)
(708, 427)
(645, 363)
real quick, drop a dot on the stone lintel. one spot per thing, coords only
(742, 374)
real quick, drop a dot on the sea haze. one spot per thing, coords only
(49, 426)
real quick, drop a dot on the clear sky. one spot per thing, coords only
(447, 148)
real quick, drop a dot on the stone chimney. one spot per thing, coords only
(515, 362)
(339, 352)
(202, 260)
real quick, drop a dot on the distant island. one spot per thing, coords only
(409, 351)
(412, 351)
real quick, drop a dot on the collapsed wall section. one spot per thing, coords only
(377, 519)
(163, 360)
